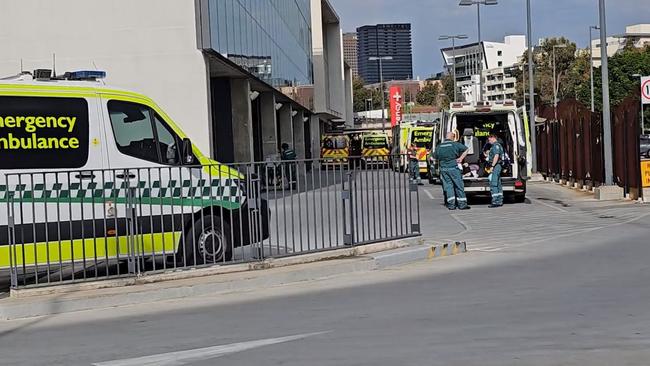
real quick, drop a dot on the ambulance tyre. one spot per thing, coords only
(208, 240)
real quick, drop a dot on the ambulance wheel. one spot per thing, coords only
(208, 241)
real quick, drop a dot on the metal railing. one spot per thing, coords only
(72, 226)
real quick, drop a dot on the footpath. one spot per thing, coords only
(45, 301)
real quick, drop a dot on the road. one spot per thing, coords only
(567, 284)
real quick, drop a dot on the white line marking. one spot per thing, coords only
(194, 355)
(426, 191)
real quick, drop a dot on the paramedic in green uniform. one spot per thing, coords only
(494, 169)
(450, 154)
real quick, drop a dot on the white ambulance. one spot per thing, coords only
(472, 124)
(92, 173)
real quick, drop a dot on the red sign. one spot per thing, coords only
(396, 103)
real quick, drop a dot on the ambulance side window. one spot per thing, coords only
(168, 141)
(142, 133)
(133, 130)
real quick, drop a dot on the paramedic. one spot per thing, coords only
(451, 154)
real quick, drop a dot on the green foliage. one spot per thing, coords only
(573, 74)
(448, 89)
(429, 94)
(362, 95)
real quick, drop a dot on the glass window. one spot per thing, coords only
(143, 134)
(168, 141)
(133, 130)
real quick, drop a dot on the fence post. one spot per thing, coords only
(13, 266)
(346, 196)
(413, 187)
(131, 234)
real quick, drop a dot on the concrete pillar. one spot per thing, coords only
(315, 136)
(242, 120)
(286, 124)
(349, 98)
(334, 55)
(269, 125)
(299, 134)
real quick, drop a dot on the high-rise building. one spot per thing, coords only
(385, 40)
(350, 44)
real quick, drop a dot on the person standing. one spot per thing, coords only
(288, 157)
(450, 155)
(414, 164)
(495, 158)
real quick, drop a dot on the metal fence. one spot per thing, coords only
(571, 147)
(71, 226)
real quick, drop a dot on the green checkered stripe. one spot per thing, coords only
(225, 190)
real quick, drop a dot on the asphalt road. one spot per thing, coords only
(561, 280)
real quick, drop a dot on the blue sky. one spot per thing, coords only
(431, 18)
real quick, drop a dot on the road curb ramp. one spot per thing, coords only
(35, 302)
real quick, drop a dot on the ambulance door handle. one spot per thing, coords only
(85, 175)
(125, 176)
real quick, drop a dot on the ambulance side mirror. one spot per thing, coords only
(186, 151)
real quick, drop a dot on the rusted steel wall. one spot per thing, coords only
(626, 132)
(571, 149)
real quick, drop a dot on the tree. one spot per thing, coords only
(448, 88)
(573, 74)
(366, 98)
(429, 94)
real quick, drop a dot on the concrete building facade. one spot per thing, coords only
(482, 60)
(385, 40)
(638, 35)
(350, 44)
(239, 77)
(500, 83)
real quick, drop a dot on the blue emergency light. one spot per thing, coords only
(86, 75)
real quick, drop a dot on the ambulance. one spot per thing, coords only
(374, 149)
(422, 135)
(335, 150)
(89, 172)
(472, 124)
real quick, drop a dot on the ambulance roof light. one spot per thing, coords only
(90, 75)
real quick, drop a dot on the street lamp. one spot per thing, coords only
(381, 87)
(642, 116)
(591, 65)
(555, 81)
(531, 88)
(453, 50)
(478, 4)
(607, 122)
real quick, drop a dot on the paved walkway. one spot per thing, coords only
(552, 213)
